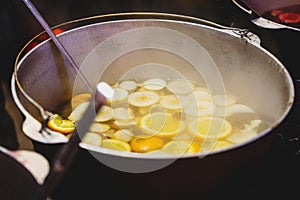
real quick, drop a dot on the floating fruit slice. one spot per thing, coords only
(253, 125)
(200, 109)
(161, 124)
(78, 112)
(123, 114)
(180, 86)
(239, 137)
(154, 84)
(210, 128)
(80, 98)
(99, 127)
(199, 96)
(92, 139)
(57, 123)
(128, 85)
(105, 114)
(116, 145)
(124, 135)
(143, 99)
(238, 108)
(174, 102)
(146, 144)
(120, 96)
(223, 100)
(180, 146)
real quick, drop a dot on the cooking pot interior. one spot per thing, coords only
(145, 48)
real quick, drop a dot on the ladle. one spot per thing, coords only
(68, 151)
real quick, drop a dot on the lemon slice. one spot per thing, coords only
(180, 146)
(80, 98)
(154, 84)
(78, 112)
(143, 99)
(174, 102)
(128, 85)
(123, 114)
(120, 96)
(223, 100)
(116, 145)
(57, 123)
(161, 124)
(200, 109)
(124, 135)
(146, 144)
(210, 128)
(92, 139)
(97, 127)
(105, 114)
(239, 137)
(200, 95)
(238, 108)
(180, 86)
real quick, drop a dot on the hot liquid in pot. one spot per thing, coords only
(169, 116)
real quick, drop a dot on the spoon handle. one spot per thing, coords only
(59, 45)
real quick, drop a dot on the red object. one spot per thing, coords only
(31, 46)
(289, 17)
(45, 36)
(57, 31)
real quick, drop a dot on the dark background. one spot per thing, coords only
(18, 26)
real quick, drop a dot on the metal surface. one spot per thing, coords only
(245, 67)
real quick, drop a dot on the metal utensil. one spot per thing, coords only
(69, 150)
(46, 114)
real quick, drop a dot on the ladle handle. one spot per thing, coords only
(59, 45)
(69, 150)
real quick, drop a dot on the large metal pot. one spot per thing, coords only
(233, 60)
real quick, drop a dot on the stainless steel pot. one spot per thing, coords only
(118, 46)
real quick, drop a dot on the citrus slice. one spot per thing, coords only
(124, 135)
(146, 144)
(154, 84)
(180, 86)
(143, 99)
(78, 112)
(57, 123)
(200, 109)
(161, 124)
(239, 137)
(210, 128)
(123, 114)
(238, 108)
(174, 102)
(128, 85)
(115, 144)
(223, 100)
(80, 98)
(200, 95)
(105, 114)
(97, 127)
(92, 139)
(120, 96)
(180, 146)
